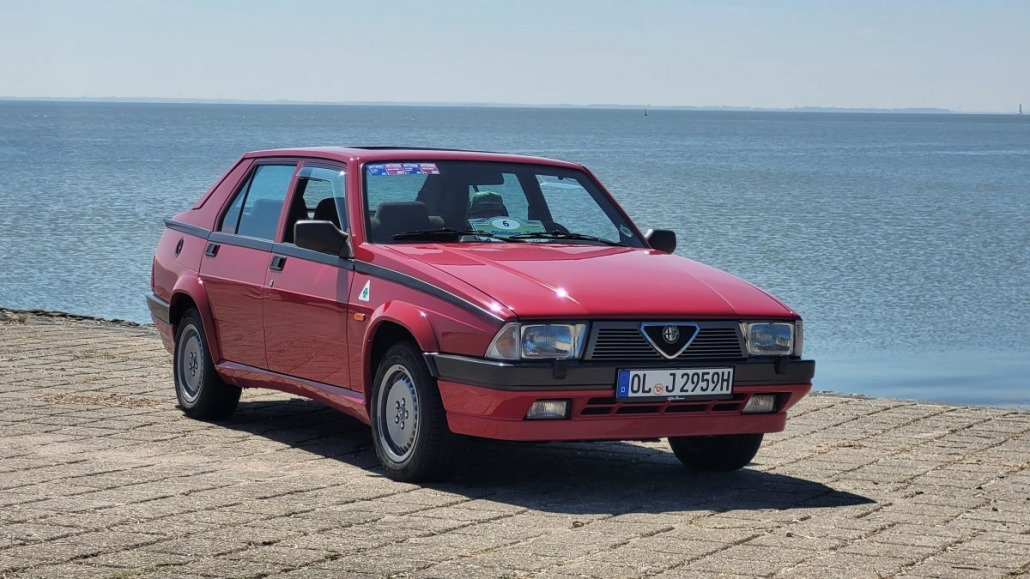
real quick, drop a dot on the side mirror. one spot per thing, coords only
(661, 239)
(321, 236)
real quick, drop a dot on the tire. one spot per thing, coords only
(409, 426)
(201, 392)
(716, 453)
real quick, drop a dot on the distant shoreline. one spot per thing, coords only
(799, 109)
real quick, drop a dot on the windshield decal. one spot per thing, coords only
(390, 169)
(504, 226)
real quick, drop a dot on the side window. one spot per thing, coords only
(255, 210)
(573, 207)
(321, 195)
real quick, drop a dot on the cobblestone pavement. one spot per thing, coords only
(101, 475)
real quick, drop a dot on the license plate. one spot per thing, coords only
(675, 384)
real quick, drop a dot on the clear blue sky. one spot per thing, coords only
(966, 56)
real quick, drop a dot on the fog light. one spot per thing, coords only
(548, 410)
(761, 404)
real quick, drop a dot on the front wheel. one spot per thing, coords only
(718, 453)
(201, 392)
(409, 426)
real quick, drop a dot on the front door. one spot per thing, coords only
(306, 307)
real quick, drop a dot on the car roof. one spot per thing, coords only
(365, 154)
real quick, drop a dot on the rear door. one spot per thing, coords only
(236, 260)
(306, 308)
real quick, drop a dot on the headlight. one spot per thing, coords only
(538, 342)
(769, 338)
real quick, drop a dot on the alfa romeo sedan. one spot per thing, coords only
(440, 294)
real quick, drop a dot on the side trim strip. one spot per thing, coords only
(290, 250)
(159, 308)
(240, 241)
(186, 228)
(417, 284)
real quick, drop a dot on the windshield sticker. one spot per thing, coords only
(389, 169)
(625, 231)
(506, 225)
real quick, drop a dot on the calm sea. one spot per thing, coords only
(904, 240)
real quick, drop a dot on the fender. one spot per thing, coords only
(406, 315)
(194, 289)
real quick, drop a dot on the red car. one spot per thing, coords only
(439, 294)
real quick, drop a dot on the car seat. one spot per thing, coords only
(393, 217)
(326, 211)
(259, 220)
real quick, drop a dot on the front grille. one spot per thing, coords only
(610, 406)
(624, 341)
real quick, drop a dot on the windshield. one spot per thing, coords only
(475, 201)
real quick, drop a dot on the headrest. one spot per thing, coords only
(326, 211)
(402, 212)
(487, 202)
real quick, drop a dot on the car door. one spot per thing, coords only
(306, 307)
(235, 263)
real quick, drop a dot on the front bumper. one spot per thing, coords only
(491, 399)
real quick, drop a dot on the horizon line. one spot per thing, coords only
(609, 106)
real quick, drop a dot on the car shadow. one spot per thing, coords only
(573, 478)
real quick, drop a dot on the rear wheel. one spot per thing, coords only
(409, 426)
(201, 392)
(716, 453)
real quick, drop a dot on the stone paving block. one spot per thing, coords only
(598, 568)
(717, 564)
(334, 542)
(460, 568)
(963, 555)
(71, 571)
(223, 567)
(369, 563)
(55, 551)
(860, 565)
(33, 532)
(713, 535)
(812, 571)
(137, 560)
(200, 547)
(939, 570)
(9, 564)
(285, 557)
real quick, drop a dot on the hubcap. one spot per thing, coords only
(398, 413)
(189, 367)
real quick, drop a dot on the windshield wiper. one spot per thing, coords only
(445, 233)
(563, 235)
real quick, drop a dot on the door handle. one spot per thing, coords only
(278, 262)
(212, 249)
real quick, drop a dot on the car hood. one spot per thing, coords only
(575, 281)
